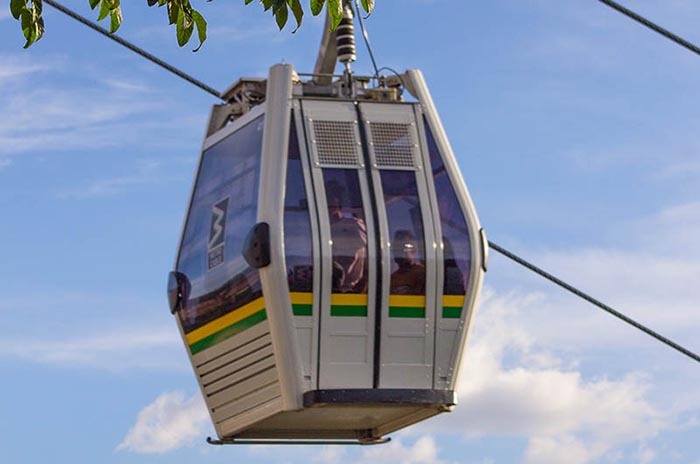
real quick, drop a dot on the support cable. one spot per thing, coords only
(654, 27)
(592, 300)
(366, 37)
(133, 48)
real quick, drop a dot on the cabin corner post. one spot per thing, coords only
(271, 211)
(416, 83)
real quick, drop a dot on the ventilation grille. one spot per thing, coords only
(336, 144)
(393, 144)
(240, 378)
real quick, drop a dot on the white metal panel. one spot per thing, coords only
(308, 327)
(251, 380)
(249, 417)
(273, 172)
(231, 348)
(406, 344)
(247, 403)
(346, 346)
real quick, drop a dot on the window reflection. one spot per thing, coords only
(348, 230)
(455, 236)
(406, 232)
(220, 278)
(297, 223)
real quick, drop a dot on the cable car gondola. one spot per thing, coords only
(331, 257)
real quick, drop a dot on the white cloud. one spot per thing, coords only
(14, 67)
(511, 386)
(145, 173)
(170, 422)
(116, 350)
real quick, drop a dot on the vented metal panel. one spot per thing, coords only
(336, 144)
(393, 144)
(241, 375)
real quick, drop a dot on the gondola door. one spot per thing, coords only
(378, 252)
(348, 245)
(408, 249)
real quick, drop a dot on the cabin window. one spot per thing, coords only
(297, 230)
(405, 232)
(348, 230)
(222, 212)
(455, 235)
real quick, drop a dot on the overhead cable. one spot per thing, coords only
(133, 48)
(592, 300)
(366, 37)
(654, 27)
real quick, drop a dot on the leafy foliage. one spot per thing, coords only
(180, 13)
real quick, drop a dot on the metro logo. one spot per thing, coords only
(217, 234)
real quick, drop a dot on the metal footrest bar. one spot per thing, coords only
(359, 441)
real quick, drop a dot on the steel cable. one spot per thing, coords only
(593, 301)
(654, 27)
(133, 48)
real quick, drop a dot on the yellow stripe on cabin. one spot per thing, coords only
(301, 298)
(349, 299)
(407, 301)
(225, 321)
(453, 301)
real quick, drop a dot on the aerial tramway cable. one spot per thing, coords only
(654, 27)
(593, 301)
(133, 48)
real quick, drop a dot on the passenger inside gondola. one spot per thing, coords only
(349, 235)
(409, 278)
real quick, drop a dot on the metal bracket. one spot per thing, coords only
(484, 250)
(359, 441)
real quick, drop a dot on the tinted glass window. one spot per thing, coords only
(405, 232)
(348, 230)
(223, 210)
(455, 236)
(297, 223)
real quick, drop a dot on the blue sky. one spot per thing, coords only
(575, 129)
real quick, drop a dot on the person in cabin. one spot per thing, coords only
(349, 235)
(409, 278)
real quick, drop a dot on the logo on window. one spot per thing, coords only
(217, 234)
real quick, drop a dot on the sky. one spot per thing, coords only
(575, 130)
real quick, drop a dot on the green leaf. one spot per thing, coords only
(173, 12)
(94, 3)
(317, 6)
(281, 15)
(335, 9)
(267, 4)
(115, 19)
(248, 2)
(184, 28)
(16, 7)
(201, 24)
(298, 12)
(28, 29)
(368, 5)
(104, 10)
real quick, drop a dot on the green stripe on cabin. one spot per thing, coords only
(348, 311)
(451, 312)
(302, 309)
(406, 311)
(228, 332)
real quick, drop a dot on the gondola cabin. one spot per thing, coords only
(330, 260)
